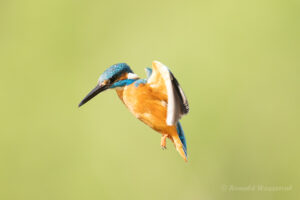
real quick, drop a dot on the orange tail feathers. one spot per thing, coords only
(179, 146)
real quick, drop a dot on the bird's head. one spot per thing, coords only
(118, 75)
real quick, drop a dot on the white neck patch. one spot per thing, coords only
(132, 76)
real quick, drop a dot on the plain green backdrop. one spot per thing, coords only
(237, 61)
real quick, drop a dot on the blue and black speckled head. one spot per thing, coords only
(115, 76)
(114, 72)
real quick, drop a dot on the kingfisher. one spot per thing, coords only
(158, 100)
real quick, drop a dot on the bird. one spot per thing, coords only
(158, 101)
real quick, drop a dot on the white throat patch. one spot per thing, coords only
(132, 76)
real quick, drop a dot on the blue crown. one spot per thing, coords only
(114, 72)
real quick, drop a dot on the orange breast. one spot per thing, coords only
(148, 105)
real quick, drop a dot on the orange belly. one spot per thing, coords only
(148, 106)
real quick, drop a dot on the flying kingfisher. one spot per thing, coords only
(158, 101)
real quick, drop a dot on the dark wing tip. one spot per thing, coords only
(184, 105)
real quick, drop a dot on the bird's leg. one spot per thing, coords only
(163, 142)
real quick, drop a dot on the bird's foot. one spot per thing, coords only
(163, 147)
(163, 142)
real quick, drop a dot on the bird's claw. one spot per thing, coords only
(163, 147)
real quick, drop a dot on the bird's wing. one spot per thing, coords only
(163, 81)
(148, 72)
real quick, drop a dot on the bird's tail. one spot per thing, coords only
(180, 142)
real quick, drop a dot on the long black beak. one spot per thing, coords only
(93, 93)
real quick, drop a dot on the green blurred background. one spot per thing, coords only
(237, 61)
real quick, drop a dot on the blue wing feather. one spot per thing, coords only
(148, 72)
(182, 137)
(144, 81)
